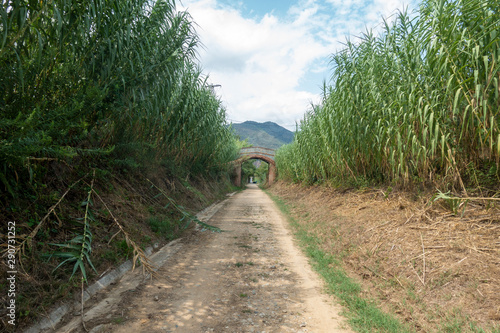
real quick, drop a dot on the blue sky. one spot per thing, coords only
(271, 57)
(259, 8)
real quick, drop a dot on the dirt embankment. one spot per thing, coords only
(431, 267)
(151, 212)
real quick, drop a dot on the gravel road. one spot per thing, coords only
(249, 278)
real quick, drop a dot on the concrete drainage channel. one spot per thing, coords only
(132, 281)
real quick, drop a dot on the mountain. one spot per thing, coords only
(268, 134)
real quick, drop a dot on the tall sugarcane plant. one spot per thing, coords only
(418, 103)
(81, 78)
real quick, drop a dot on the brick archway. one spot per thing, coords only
(271, 174)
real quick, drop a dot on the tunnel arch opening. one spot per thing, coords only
(258, 153)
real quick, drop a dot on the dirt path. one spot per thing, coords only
(249, 278)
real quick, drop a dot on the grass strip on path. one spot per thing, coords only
(363, 315)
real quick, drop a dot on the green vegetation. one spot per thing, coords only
(417, 105)
(363, 314)
(110, 82)
(80, 247)
(111, 86)
(261, 172)
(163, 226)
(248, 170)
(97, 97)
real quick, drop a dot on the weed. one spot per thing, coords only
(78, 249)
(162, 226)
(118, 320)
(111, 256)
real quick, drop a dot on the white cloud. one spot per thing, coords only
(261, 62)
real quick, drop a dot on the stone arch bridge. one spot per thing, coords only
(259, 153)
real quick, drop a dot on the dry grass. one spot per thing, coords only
(416, 259)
